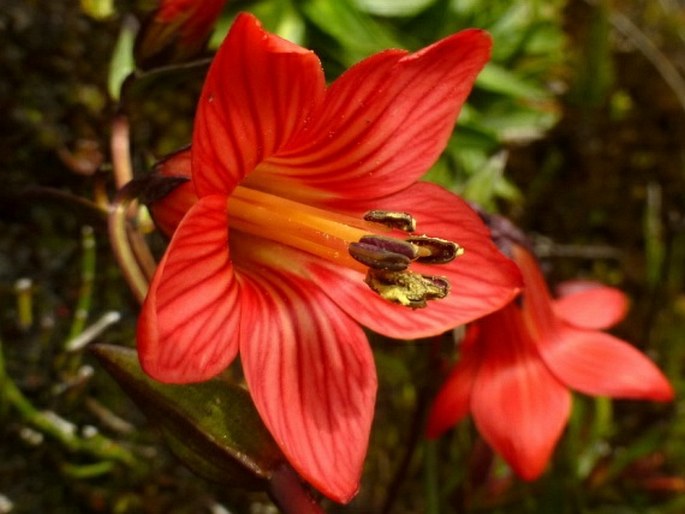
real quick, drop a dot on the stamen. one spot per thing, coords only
(383, 253)
(406, 287)
(433, 250)
(397, 220)
(346, 241)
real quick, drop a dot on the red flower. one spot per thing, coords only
(177, 30)
(274, 258)
(519, 364)
(178, 194)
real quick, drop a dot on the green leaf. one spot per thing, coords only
(519, 124)
(489, 183)
(356, 32)
(497, 79)
(393, 7)
(595, 75)
(213, 427)
(122, 63)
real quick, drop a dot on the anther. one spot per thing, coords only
(397, 220)
(383, 253)
(406, 287)
(433, 250)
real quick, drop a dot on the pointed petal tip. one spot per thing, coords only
(341, 495)
(438, 424)
(311, 373)
(433, 431)
(473, 41)
(273, 42)
(665, 393)
(656, 387)
(529, 471)
(441, 418)
(384, 122)
(599, 364)
(519, 407)
(590, 304)
(478, 37)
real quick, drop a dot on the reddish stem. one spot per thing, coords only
(289, 493)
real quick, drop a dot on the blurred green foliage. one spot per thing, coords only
(574, 130)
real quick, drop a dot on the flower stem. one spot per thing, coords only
(142, 252)
(130, 249)
(410, 445)
(290, 495)
(121, 151)
(121, 245)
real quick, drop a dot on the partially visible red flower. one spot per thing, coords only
(169, 206)
(300, 227)
(176, 31)
(518, 366)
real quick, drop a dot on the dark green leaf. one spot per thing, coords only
(356, 32)
(213, 427)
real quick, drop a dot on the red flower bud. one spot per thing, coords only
(177, 31)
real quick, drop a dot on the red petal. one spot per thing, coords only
(178, 30)
(599, 364)
(311, 373)
(482, 279)
(536, 300)
(169, 210)
(588, 361)
(453, 401)
(519, 407)
(259, 90)
(198, 21)
(187, 330)
(590, 305)
(383, 124)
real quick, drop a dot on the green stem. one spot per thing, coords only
(142, 252)
(130, 249)
(24, 291)
(430, 466)
(121, 244)
(415, 430)
(91, 332)
(59, 429)
(86, 471)
(142, 78)
(87, 276)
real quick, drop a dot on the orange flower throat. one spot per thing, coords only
(370, 244)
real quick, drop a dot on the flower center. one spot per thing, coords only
(382, 243)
